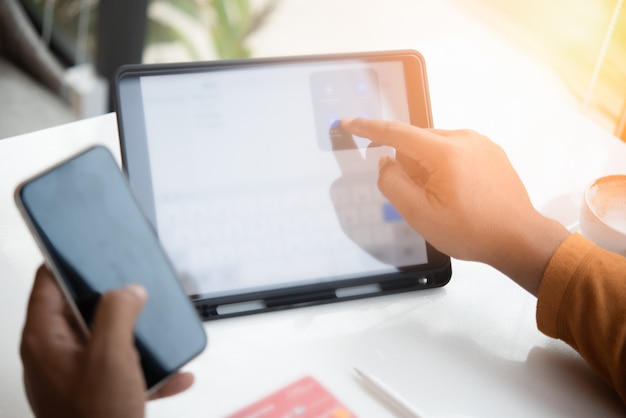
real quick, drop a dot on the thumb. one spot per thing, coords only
(403, 193)
(116, 314)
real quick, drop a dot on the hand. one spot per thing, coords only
(459, 190)
(68, 374)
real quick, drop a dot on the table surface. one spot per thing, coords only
(470, 349)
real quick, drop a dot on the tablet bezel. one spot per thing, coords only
(435, 273)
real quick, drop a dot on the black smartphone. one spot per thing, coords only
(95, 238)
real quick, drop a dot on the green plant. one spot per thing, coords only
(229, 23)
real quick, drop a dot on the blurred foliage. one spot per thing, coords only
(229, 23)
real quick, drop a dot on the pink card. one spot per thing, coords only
(305, 398)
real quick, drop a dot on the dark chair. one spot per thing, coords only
(33, 94)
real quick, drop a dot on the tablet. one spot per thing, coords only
(259, 197)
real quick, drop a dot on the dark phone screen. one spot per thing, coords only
(98, 239)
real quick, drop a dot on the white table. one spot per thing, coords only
(470, 349)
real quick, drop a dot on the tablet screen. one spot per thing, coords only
(249, 180)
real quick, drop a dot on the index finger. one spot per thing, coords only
(345, 151)
(406, 139)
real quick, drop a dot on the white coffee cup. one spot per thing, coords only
(603, 213)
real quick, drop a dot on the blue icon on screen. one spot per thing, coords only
(391, 214)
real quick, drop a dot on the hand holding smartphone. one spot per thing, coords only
(95, 238)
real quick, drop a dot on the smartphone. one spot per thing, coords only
(95, 238)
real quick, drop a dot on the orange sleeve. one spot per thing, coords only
(582, 301)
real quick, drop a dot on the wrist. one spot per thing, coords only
(530, 246)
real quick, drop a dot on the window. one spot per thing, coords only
(572, 37)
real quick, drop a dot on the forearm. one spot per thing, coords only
(461, 193)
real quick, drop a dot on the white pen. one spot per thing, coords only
(388, 394)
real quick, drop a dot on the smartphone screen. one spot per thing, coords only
(95, 239)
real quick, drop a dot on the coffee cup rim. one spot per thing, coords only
(591, 207)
